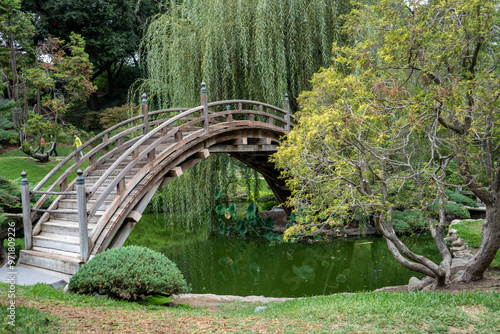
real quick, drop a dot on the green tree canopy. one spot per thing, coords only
(257, 49)
(407, 112)
(112, 30)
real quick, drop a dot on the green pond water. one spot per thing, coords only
(221, 265)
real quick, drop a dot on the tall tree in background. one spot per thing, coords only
(256, 49)
(112, 31)
(245, 49)
(63, 79)
(408, 112)
(16, 30)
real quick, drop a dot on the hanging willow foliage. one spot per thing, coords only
(243, 49)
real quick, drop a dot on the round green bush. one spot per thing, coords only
(128, 273)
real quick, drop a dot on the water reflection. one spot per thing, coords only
(221, 265)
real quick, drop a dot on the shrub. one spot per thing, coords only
(127, 273)
(265, 198)
(461, 199)
(265, 206)
(408, 221)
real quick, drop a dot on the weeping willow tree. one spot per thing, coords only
(244, 49)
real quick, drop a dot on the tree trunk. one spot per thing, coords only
(41, 157)
(93, 102)
(407, 258)
(490, 244)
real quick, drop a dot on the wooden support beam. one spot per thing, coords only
(176, 172)
(166, 180)
(93, 159)
(264, 141)
(203, 154)
(243, 148)
(64, 185)
(133, 216)
(120, 187)
(241, 141)
(151, 156)
(122, 234)
(178, 136)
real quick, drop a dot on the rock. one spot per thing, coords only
(260, 308)
(458, 243)
(458, 263)
(415, 285)
(457, 275)
(66, 288)
(59, 284)
(466, 255)
(455, 221)
(458, 249)
(452, 235)
(426, 281)
(429, 287)
(169, 304)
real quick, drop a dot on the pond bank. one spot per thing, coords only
(490, 283)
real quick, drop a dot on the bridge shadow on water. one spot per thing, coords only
(217, 264)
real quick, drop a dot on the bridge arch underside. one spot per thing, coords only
(252, 146)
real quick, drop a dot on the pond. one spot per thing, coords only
(232, 266)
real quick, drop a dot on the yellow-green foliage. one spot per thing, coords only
(128, 273)
(380, 128)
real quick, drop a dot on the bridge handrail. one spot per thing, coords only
(100, 136)
(264, 105)
(105, 142)
(130, 151)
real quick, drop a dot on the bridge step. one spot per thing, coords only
(73, 217)
(56, 262)
(57, 241)
(100, 171)
(70, 203)
(63, 276)
(63, 227)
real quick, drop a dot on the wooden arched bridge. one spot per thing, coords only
(99, 208)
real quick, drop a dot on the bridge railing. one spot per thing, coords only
(94, 145)
(81, 212)
(201, 117)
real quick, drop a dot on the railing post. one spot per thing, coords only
(287, 112)
(229, 117)
(25, 199)
(204, 103)
(82, 216)
(145, 113)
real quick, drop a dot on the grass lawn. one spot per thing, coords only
(41, 309)
(470, 232)
(14, 162)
